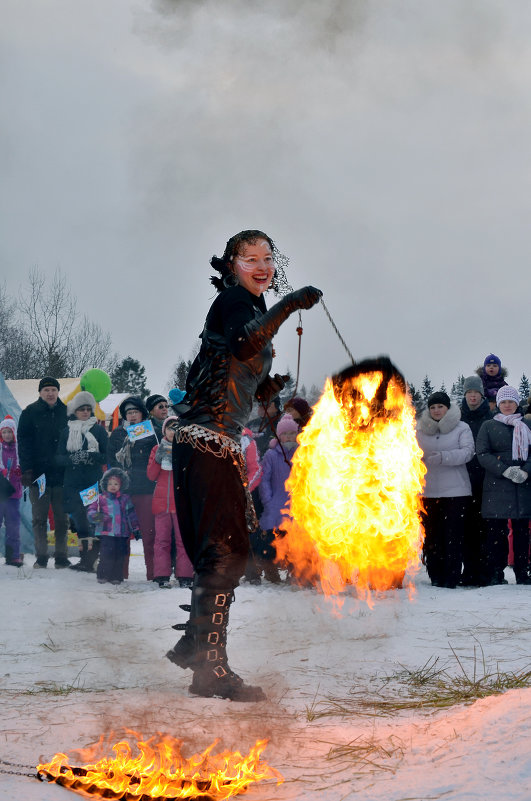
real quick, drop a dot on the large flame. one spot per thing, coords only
(355, 489)
(160, 771)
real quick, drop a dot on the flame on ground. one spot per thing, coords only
(160, 771)
(355, 489)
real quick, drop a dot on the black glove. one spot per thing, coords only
(305, 298)
(259, 332)
(137, 535)
(270, 388)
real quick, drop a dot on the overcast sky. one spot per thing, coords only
(384, 144)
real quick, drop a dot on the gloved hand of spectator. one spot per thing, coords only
(163, 450)
(97, 517)
(433, 458)
(79, 457)
(515, 474)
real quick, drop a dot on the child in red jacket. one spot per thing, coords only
(159, 469)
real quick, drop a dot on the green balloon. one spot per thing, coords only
(97, 382)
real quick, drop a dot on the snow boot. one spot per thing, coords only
(88, 553)
(213, 677)
(11, 559)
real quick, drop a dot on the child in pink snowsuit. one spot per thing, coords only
(159, 469)
(10, 503)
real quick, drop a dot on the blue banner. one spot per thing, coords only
(90, 494)
(40, 481)
(140, 430)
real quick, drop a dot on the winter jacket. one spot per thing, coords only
(232, 364)
(492, 383)
(39, 429)
(119, 516)
(475, 419)
(81, 475)
(163, 496)
(272, 487)
(10, 468)
(139, 483)
(447, 445)
(502, 498)
(252, 459)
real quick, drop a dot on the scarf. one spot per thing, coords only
(521, 436)
(79, 429)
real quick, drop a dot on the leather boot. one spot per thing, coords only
(183, 652)
(212, 674)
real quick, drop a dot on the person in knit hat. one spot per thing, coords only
(474, 411)
(276, 467)
(503, 450)
(82, 451)
(39, 428)
(447, 445)
(133, 457)
(10, 499)
(157, 406)
(167, 532)
(493, 376)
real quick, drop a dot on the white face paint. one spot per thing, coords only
(254, 267)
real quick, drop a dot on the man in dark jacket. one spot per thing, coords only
(475, 410)
(38, 433)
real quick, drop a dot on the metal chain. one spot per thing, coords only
(334, 326)
(33, 775)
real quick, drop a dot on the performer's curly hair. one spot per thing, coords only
(279, 283)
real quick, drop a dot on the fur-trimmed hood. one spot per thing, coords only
(504, 372)
(431, 427)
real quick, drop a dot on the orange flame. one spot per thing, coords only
(160, 771)
(355, 491)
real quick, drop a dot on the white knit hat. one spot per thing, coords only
(81, 399)
(507, 393)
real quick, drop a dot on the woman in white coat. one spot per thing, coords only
(447, 444)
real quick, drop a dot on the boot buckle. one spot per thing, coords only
(217, 618)
(212, 655)
(213, 638)
(220, 671)
(221, 599)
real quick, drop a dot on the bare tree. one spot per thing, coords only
(63, 345)
(16, 351)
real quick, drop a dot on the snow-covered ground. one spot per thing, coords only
(79, 659)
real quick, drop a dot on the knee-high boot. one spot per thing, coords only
(203, 647)
(212, 674)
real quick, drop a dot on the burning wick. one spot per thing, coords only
(160, 772)
(355, 486)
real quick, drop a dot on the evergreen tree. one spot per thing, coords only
(523, 387)
(443, 388)
(130, 376)
(179, 374)
(314, 394)
(416, 398)
(426, 389)
(456, 393)
(289, 386)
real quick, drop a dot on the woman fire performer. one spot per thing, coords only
(214, 507)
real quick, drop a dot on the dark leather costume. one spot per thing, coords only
(210, 498)
(221, 384)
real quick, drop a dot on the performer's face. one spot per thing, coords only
(254, 266)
